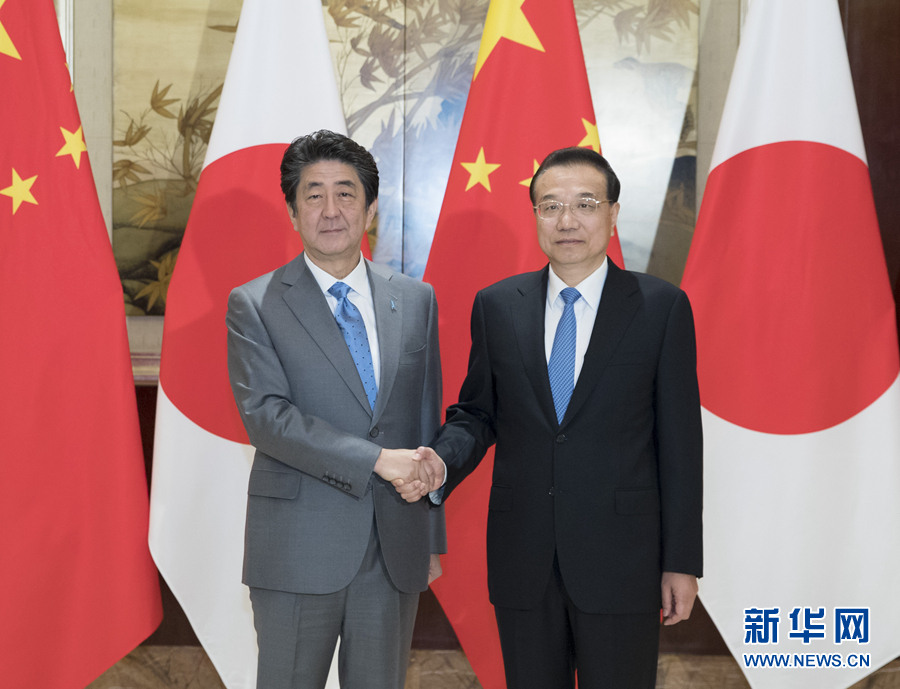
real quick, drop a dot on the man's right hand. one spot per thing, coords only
(430, 478)
(411, 476)
(397, 465)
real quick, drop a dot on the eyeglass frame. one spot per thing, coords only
(537, 208)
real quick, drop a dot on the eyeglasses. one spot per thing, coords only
(551, 210)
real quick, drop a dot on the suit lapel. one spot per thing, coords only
(528, 322)
(618, 305)
(305, 299)
(389, 322)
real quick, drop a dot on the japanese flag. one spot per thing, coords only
(798, 366)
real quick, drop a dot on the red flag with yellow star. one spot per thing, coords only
(79, 588)
(529, 96)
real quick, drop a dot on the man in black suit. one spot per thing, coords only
(584, 375)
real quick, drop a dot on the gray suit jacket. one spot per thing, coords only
(312, 494)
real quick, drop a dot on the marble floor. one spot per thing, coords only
(188, 667)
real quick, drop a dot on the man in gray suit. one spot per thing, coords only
(332, 359)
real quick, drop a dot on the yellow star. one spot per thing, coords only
(527, 182)
(479, 171)
(19, 191)
(6, 44)
(591, 136)
(74, 145)
(505, 19)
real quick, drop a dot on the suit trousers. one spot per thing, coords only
(297, 632)
(543, 647)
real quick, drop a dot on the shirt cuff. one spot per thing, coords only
(437, 496)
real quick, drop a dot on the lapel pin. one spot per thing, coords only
(393, 304)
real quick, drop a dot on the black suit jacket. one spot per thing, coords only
(615, 490)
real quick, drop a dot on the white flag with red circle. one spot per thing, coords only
(798, 365)
(280, 84)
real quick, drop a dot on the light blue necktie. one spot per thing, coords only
(561, 366)
(350, 322)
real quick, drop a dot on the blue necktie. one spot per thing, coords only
(561, 366)
(350, 322)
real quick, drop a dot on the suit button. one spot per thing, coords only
(561, 438)
(552, 491)
(374, 432)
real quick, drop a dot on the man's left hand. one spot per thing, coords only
(678, 594)
(434, 567)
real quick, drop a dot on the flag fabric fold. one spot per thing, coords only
(280, 84)
(529, 96)
(79, 587)
(798, 366)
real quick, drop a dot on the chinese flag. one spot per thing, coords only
(529, 96)
(798, 359)
(238, 229)
(79, 590)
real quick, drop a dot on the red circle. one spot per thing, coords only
(238, 229)
(795, 320)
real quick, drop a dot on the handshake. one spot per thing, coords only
(414, 473)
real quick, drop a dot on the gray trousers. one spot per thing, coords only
(297, 632)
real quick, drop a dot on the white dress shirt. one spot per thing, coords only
(591, 288)
(360, 295)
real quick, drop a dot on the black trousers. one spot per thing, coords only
(545, 646)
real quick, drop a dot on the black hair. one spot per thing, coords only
(576, 155)
(326, 145)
